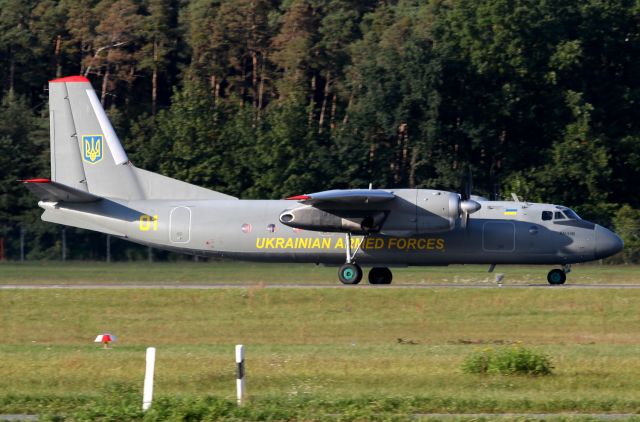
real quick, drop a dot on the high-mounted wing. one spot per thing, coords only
(346, 196)
(50, 191)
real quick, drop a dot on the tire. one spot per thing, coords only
(350, 274)
(380, 275)
(556, 277)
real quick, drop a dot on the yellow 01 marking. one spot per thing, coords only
(148, 223)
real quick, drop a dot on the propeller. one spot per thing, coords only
(467, 205)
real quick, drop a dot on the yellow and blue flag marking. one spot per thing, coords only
(511, 211)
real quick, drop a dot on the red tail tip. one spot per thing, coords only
(70, 79)
(299, 198)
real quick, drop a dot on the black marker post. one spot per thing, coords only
(240, 376)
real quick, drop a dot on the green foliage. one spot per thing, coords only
(363, 408)
(262, 99)
(511, 360)
(627, 225)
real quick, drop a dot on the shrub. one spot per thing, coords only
(512, 360)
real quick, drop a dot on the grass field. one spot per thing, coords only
(255, 273)
(311, 353)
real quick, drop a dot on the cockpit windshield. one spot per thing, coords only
(563, 214)
(571, 214)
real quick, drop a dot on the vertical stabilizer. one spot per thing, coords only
(66, 163)
(98, 164)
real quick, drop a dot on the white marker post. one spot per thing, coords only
(147, 395)
(240, 376)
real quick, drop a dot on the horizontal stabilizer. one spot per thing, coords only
(56, 216)
(50, 191)
(345, 196)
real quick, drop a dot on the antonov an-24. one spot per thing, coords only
(94, 186)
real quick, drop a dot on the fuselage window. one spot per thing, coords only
(547, 215)
(559, 216)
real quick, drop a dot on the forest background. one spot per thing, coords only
(270, 98)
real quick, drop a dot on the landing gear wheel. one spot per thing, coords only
(350, 274)
(380, 275)
(556, 277)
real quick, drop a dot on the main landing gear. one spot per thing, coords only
(557, 276)
(351, 273)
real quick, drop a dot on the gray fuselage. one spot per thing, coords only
(499, 233)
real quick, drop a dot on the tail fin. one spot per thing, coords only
(86, 153)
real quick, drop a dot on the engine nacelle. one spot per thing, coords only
(437, 211)
(311, 218)
(412, 212)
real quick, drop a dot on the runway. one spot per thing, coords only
(151, 286)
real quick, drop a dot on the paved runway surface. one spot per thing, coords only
(106, 286)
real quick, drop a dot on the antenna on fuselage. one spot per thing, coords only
(515, 197)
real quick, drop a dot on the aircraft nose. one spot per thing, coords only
(607, 243)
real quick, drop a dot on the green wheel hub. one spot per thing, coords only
(348, 273)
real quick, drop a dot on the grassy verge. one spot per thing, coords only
(316, 352)
(255, 273)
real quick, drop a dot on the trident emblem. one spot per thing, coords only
(92, 148)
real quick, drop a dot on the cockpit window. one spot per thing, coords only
(571, 214)
(547, 215)
(559, 216)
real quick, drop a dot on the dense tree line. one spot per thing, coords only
(268, 98)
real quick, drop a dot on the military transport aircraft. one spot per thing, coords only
(94, 186)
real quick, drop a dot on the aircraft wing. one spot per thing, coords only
(345, 196)
(50, 191)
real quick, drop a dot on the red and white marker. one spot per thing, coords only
(105, 339)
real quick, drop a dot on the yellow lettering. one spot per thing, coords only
(422, 243)
(316, 243)
(370, 243)
(339, 243)
(379, 243)
(145, 224)
(411, 244)
(326, 243)
(440, 244)
(289, 243)
(155, 223)
(430, 244)
(402, 243)
(279, 243)
(269, 243)
(392, 242)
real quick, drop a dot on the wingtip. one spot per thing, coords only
(77, 78)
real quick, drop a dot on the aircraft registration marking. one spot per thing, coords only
(371, 243)
(148, 222)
